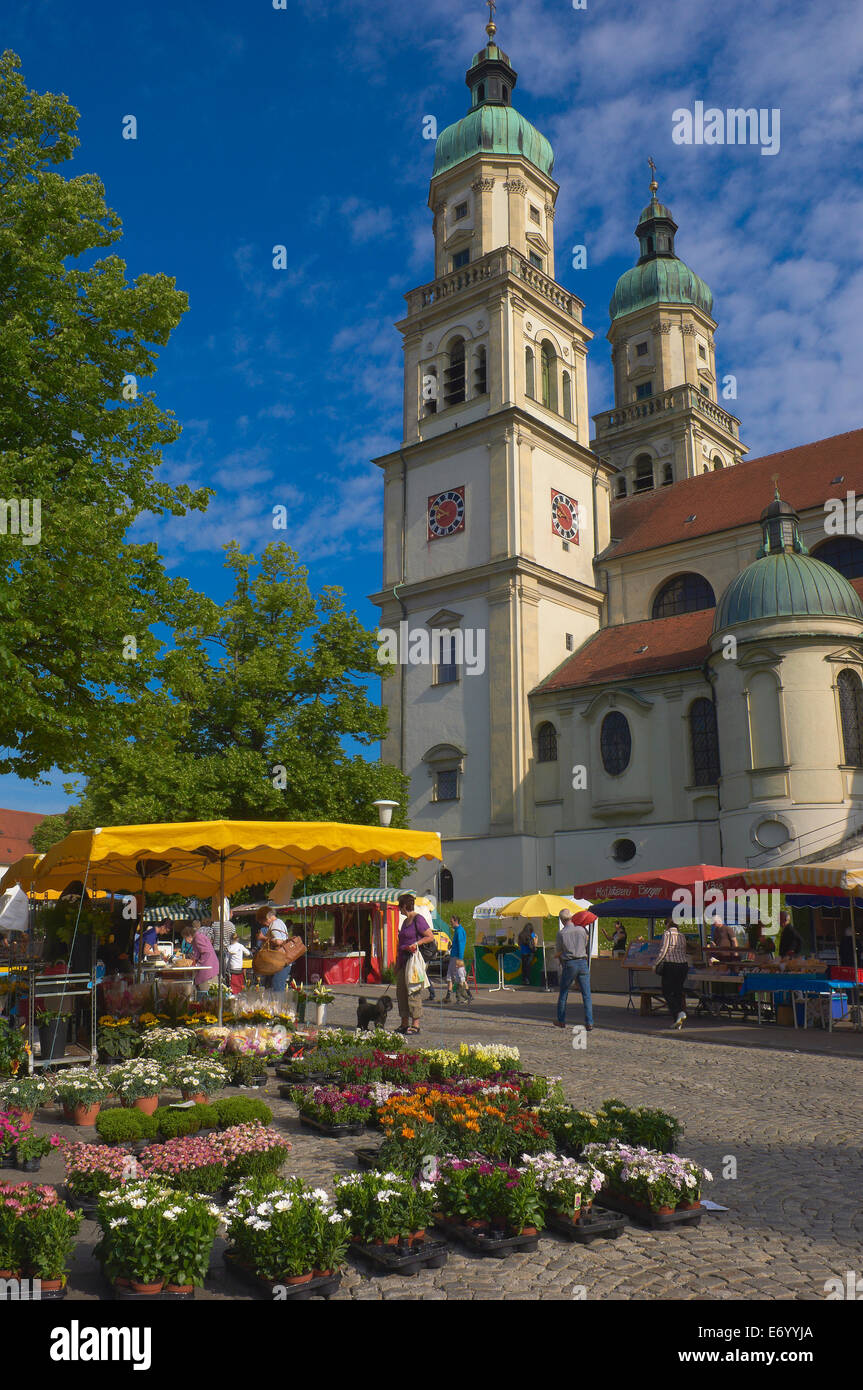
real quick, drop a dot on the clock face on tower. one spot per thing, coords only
(564, 516)
(446, 513)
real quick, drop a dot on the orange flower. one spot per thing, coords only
(408, 1133)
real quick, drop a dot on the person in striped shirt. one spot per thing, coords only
(672, 966)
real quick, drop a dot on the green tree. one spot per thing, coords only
(249, 718)
(80, 448)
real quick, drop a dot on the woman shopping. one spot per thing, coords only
(414, 929)
(672, 967)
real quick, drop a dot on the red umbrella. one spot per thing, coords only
(661, 883)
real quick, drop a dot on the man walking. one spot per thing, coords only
(571, 949)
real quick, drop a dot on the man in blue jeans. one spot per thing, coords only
(571, 949)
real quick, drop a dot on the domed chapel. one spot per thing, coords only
(646, 649)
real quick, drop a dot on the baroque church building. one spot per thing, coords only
(672, 644)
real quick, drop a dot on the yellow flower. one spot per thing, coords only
(106, 1021)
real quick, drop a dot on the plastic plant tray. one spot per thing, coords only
(399, 1259)
(322, 1286)
(655, 1220)
(332, 1131)
(486, 1243)
(599, 1224)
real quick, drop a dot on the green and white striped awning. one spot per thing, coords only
(178, 912)
(350, 895)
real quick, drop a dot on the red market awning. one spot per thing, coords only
(661, 883)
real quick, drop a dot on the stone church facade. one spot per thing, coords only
(672, 645)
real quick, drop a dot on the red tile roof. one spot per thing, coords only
(16, 827)
(736, 496)
(672, 644)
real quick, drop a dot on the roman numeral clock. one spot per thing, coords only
(564, 516)
(446, 513)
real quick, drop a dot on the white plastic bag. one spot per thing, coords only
(415, 973)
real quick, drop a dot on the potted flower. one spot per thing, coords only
(95, 1168)
(49, 1236)
(25, 1094)
(12, 1130)
(32, 1148)
(190, 1163)
(81, 1091)
(321, 997)
(154, 1238)
(16, 1202)
(567, 1186)
(385, 1208)
(198, 1077)
(138, 1084)
(283, 1232)
(167, 1045)
(116, 1038)
(52, 1027)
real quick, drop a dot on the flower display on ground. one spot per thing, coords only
(285, 1230)
(653, 1179)
(152, 1234)
(382, 1206)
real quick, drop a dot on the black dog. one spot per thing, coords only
(373, 1012)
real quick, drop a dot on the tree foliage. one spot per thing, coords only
(80, 438)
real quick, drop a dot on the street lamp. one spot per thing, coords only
(385, 815)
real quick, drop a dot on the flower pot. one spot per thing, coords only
(147, 1288)
(300, 1278)
(51, 1285)
(85, 1114)
(197, 1096)
(476, 1224)
(416, 1238)
(664, 1211)
(525, 1231)
(179, 1288)
(149, 1104)
(10, 1274)
(687, 1205)
(322, 1273)
(25, 1116)
(52, 1040)
(320, 1015)
(29, 1165)
(389, 1240)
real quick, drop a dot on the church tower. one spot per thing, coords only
(667, 423)
(494, 505)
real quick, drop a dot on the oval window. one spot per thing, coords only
(623, 851)
(615, 743)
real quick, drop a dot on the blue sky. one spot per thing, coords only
(303, 127)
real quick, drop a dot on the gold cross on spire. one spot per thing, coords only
(491, 27)
(653, 184)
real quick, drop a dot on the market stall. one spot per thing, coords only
(365, 935)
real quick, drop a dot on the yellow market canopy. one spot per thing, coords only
(202, 857)
(833, 877)
(542, 905)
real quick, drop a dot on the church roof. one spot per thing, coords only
(720, 501)
(787, 585)
(16, 827)
(492, 130)
(666, 281)
(628, 651)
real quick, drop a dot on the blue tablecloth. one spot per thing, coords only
(785, 983)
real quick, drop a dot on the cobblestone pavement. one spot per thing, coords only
(790, 1121)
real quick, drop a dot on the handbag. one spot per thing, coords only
(271, 958)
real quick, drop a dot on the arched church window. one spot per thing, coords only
(685, 593)
(480, 92)
(549, 375)
(842, 553)
(650, 243)
(704, 742)
(429, 390)
(505, 91)
(529, 374)
(453, 377)
(567, 396)
(546, 744)
(447, 887)
(717, 463)
(621, 486)
(851, 710)
(643, 473)
(480, 373)
(615, 743)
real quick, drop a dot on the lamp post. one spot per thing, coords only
(385, 815)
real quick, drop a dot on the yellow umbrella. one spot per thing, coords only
(223, 855)
(22, 873)
(543, 905)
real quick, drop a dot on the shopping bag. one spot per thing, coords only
(415, 973)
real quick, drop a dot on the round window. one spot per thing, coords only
(615, 743)
(623, 851)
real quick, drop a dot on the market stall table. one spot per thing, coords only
(182, 974)
(333, 967)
